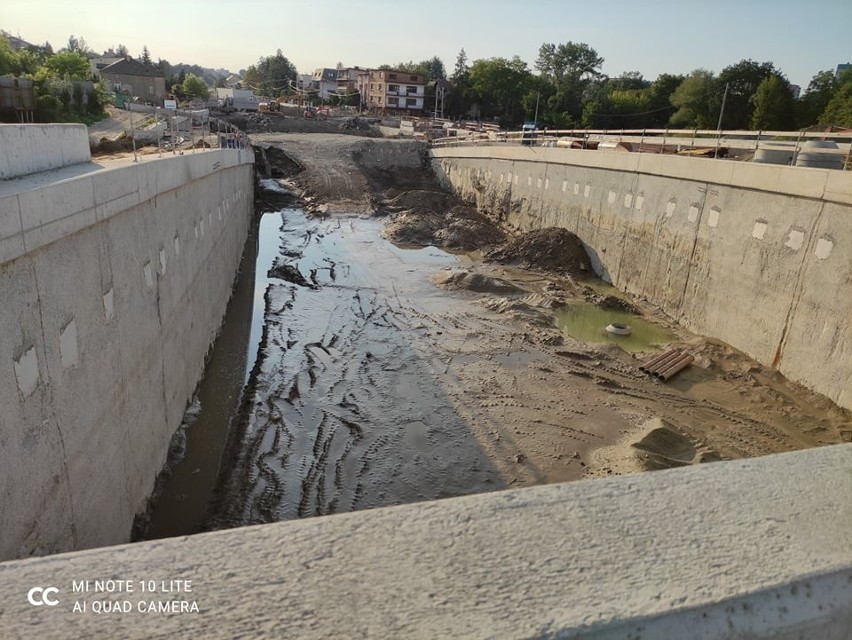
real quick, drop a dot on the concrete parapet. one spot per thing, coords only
(114, 284)
(31, 148)
(755, 549)
(756, 255)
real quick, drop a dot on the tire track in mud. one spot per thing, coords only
(376, 388)
(337, 395)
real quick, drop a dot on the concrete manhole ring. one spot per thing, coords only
(619, 329)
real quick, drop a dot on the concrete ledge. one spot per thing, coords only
(831, 185)
(753, 549)
(39, 209)
(31, 148)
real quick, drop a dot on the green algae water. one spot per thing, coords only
(587, 322)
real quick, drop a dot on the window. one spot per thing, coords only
(391, 76)
(413, 78)
(393, 102)
(393, 88)
(410, 90)
(411, 102)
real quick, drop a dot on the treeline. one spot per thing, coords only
(62, 81)
(567, 89)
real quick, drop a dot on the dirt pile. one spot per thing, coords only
(552, 249)
(470, 281)
(461, 227)
(656, 444)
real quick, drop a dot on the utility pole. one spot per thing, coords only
(719, 126)
(535, 118)
(722, 111)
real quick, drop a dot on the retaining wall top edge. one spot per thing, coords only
(795, 181)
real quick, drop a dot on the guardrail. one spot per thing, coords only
(171, 128)
(772, 147)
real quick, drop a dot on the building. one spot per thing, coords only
(324, 82)
(391, 91)
(796, 90)
(99, 64)
(841, 68)
(137, 79)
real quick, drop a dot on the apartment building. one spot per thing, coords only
(391, 91)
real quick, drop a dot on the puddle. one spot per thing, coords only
(586, 322)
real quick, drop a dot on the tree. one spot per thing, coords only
(457, 101)
(69, 65)
(146, 56)
(571, 67)
(742, 80)
(436, 70)
(819, 93)
(194, 86)
(271, 75)
(572, 61)
(696, 100)
(499, 86)
(628, 81)
(838, 111)
(78, 45)
(659, 99)
(774, 106)
(122, 51)
(461, 70)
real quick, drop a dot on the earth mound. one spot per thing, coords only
(470, 281)
(552, 249)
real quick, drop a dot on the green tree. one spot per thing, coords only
(774, 105)
(659, 99)
(742, 80)
(195, 87)
(499, 86)
(820, 91)
(838, 111)
(122, 51)
(146, 56)
(461, 70)
(271, 76)
(78, 45)
(68, 65)
(696, 100)
(572, 68)
(457, 101)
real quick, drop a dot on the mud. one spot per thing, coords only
(388, 374)
(551, 250)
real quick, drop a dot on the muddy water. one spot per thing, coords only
(586, 322)
(182, 495)
(347, 413)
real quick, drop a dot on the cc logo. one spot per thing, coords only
(39, 596)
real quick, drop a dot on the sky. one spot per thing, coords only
(650, 36)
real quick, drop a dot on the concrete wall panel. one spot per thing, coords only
(105, 335)
(28, 149)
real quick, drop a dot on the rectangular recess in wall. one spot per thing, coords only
(26, 372)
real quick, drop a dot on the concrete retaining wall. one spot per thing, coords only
(759, 256)
(752, 549)
(114, 283)
(41, 147)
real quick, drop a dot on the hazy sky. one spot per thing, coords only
(649, 36)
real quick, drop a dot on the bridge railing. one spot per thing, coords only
(827, 149)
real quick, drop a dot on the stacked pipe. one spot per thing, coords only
(667, 364)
